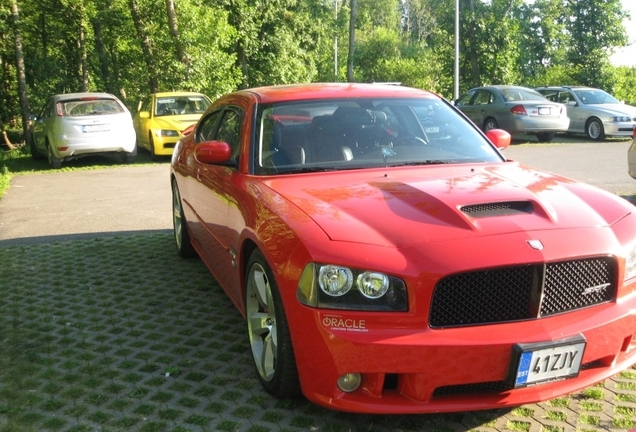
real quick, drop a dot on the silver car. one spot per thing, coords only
(593, 112)
(518, 110)
(75, 125)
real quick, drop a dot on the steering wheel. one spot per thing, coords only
(409, 140)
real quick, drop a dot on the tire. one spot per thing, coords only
(490, 123)
(151, 147)
(594, 129)
(179, 226)
(53, 161)
(129, 158)
(268, 332)
(545, 136)
(35, 154)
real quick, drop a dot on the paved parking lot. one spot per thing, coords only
(103, 327)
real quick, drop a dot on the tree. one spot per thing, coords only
(19, 61)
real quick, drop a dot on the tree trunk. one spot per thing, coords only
(473, 51)
(146, 46)
(101, 54)
(19, 63)
(352, 41)
(174, 31)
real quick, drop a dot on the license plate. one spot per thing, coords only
(431, 129)
(95, 128)
(541, 362)
(544, 111)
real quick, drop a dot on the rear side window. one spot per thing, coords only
(76, 108)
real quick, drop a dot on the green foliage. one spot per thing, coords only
(219, 46)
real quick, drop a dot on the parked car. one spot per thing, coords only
(161, 119)
(593, 111)
(75, 125)
(388, 259)
(518, 110)
(631, 156)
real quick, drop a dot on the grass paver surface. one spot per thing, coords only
(120, 334)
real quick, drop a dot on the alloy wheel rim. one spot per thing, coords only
(177, 222)
(261, 322)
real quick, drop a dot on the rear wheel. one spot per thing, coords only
(594, 129)
(545, 136)
(54, 162)
(490, 123)
(129, 158)
(181, 235)
(35, 154)
(268, 332)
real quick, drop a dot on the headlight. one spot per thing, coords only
(166, 133)
(630, 263)
(620, 119)
(337, 287)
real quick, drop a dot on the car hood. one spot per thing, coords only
(176, 122)
(403, 207)
(614, 109)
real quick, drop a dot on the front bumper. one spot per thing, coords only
(461, 369)
(619, 129)
(164, 146)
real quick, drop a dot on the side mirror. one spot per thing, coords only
(499, 137)
(209, 152)
(572, 103)
(144, 114)
(33, 117)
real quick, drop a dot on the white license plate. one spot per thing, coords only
(545, 111)
(537, 363)
(95, 128)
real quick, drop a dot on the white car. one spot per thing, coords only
(74, 125)
(593, 112)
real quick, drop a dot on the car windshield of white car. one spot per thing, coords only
(326, 135)
(90, 107)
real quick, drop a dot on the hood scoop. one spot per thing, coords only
(507, 208)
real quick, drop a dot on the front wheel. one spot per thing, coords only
(180, 229)
(594, 129)
(268, 332)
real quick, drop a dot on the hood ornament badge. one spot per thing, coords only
(536, 244)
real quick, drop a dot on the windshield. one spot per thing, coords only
(595, 97)
(181, 105)
(327, 135)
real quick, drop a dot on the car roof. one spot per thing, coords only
(575, 87)
(177, 93)
(297, 92)
(67, 96)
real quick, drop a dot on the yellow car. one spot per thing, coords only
(162, 117)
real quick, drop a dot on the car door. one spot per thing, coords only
(575, 111)
(217, 189)
(142, 124)
(478, 107)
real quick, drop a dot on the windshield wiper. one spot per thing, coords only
(304, 170)
(424, 162)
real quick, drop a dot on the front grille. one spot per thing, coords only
(522, 292)
(471, 389)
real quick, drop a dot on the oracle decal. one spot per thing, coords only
(340, 323)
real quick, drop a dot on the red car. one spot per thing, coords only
(388, 259)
